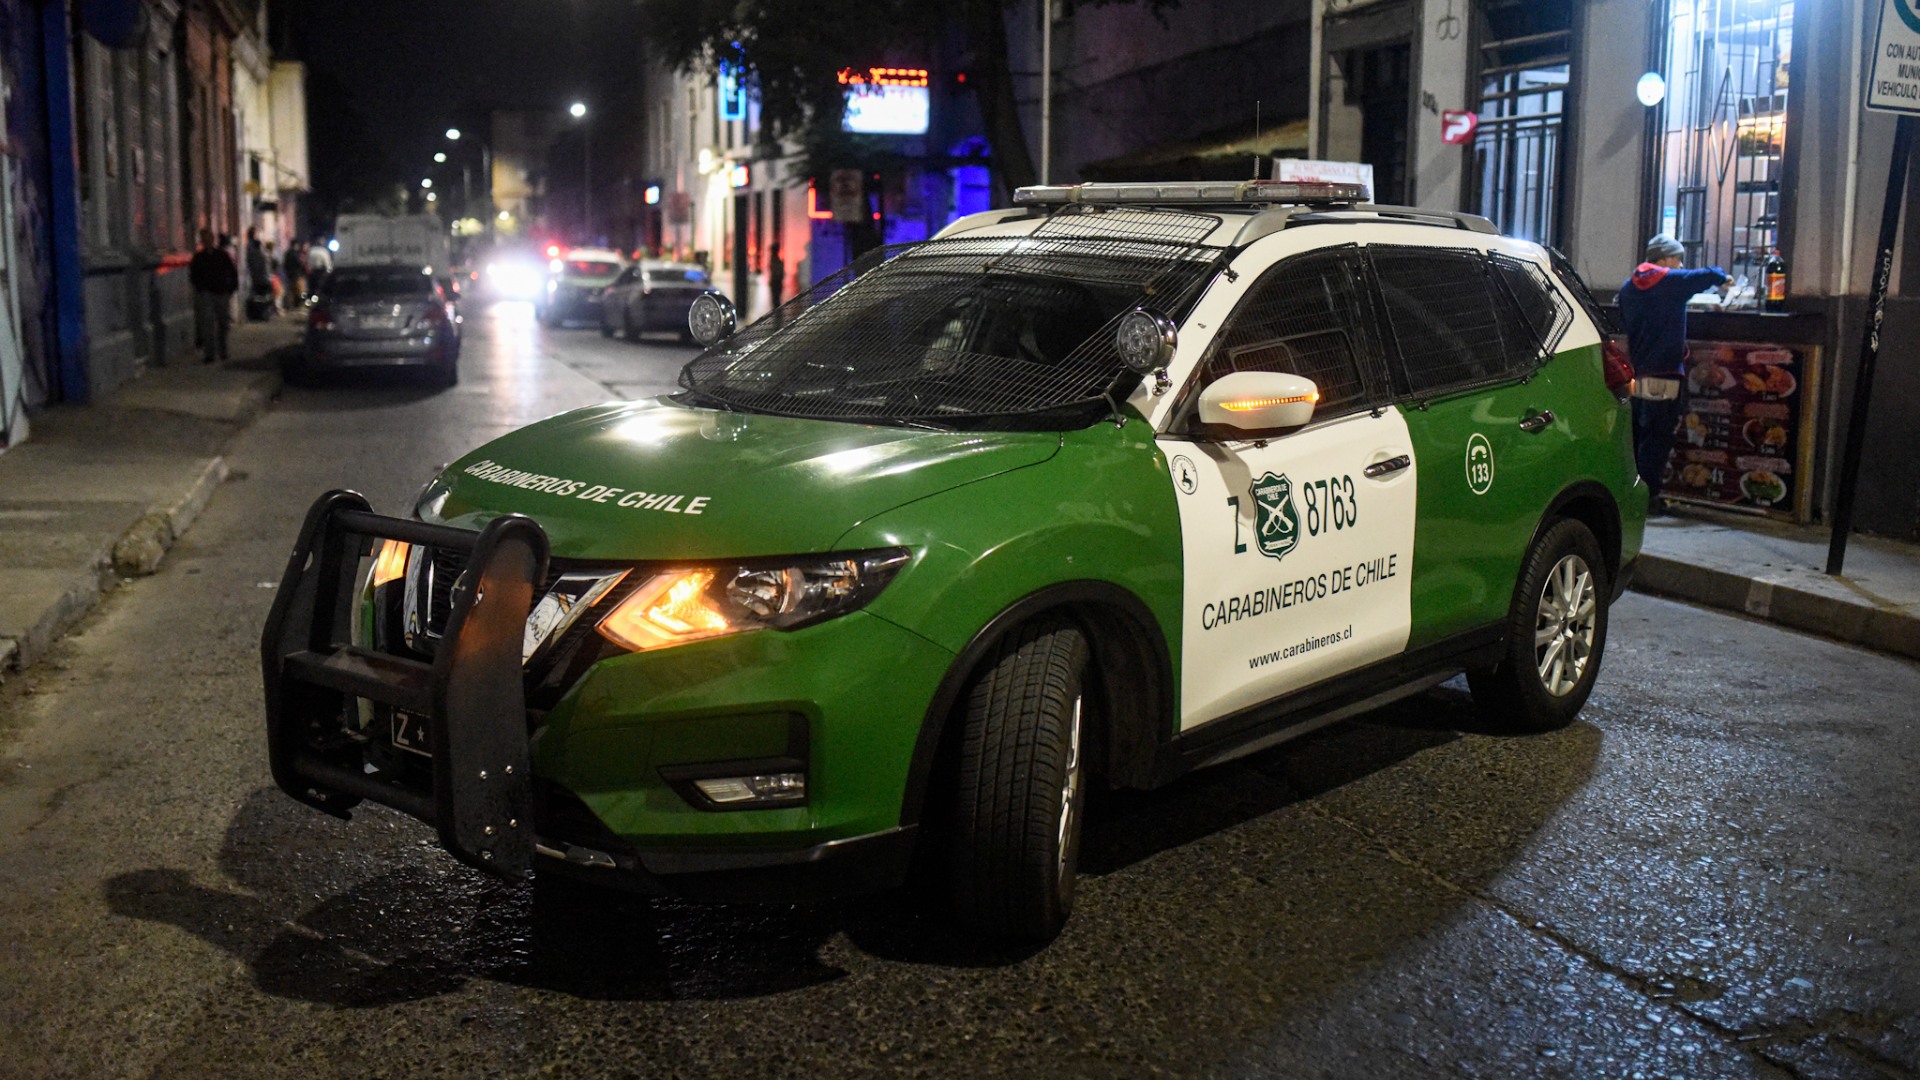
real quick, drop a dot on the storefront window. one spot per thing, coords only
(1723, 127)
(1516, 150)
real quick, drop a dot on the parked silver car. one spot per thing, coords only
(381, 316)
(652, 294)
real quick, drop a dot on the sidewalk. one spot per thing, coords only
(1776, 572)
(99, 492)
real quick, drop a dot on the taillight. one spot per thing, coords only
(1619, 368)
(435, 314)
(320, 318)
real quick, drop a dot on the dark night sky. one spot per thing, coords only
(388, 77)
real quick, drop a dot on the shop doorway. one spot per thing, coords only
(1380, 82)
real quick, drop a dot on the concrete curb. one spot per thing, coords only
(1855, 622)
(140, 548)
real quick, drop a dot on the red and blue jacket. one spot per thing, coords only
(1653, 311)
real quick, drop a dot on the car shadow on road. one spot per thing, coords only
(419, 927)
(400, 922)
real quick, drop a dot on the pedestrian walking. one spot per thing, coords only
(1653, 307)
(294, 267)
(776, 275)
(259, 279)
(215, 279)
(319, 265)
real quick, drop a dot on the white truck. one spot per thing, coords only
(416, 239)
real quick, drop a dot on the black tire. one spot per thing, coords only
(605, 330)
(1020, 786)
(446, 373)
(295, 371)
(1517, 694)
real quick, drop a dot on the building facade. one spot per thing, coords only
(130, 126)
(1735, 126)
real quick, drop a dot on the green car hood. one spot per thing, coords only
(659, 480)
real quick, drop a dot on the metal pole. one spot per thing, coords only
(1870, 343)
(1046, 91)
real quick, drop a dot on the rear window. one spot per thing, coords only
(587, 268)
(354, 284)
(672, 275)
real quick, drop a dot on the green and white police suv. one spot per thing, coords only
(1116, 483)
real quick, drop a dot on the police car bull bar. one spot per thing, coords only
(471, 695)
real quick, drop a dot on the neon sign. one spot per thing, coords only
(886, 100)
(733, 93)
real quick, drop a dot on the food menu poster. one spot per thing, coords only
(1738, 442)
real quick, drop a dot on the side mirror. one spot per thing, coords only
(1255, 401)
(712, 318)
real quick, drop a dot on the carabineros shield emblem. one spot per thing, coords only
(1277, 529)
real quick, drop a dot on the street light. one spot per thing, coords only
(426, 181)
(579, 112)
(453, 134)
(440, 157)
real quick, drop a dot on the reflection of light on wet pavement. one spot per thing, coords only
(516, 378)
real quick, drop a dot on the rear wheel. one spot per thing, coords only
(1556, 633)
(631, 332)
(1020, 786)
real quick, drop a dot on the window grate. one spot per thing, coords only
(1542, 311)
(1299, 319)
(960, 331)
(1452, 324)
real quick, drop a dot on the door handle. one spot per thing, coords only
(1538, 422)
(1381, 468)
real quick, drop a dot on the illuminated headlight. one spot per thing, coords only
(677, 606)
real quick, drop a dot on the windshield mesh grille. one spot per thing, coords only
(955, 330)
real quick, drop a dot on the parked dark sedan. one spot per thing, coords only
(653, 294)
(381, 316)
(575, 285)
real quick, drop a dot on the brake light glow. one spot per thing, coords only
(320, 318)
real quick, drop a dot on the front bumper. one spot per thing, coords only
(604, 792)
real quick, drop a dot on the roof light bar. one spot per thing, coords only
(1234, 191)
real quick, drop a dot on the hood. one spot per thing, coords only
(658, 480)
(1647, 275)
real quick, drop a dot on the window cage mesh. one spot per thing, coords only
(960, 330)
(1543, 311)
(1454, 325)
(1302, 318)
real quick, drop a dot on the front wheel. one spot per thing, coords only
(1556, 633)
(1020, 786)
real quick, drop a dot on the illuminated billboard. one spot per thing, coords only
(886, 100)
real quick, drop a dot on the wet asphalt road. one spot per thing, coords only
(1711, 874)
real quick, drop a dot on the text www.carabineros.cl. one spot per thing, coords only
(1299, 647)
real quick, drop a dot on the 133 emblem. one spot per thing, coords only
(1276, 522)
(1479, 463)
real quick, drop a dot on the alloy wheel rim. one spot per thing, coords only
(1565, 622)
(1069, 790)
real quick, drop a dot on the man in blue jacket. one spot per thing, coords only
(1653, 309)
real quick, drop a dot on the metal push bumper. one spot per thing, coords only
(471, 695)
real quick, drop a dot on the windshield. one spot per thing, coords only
(954, 332)
(361, 284)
